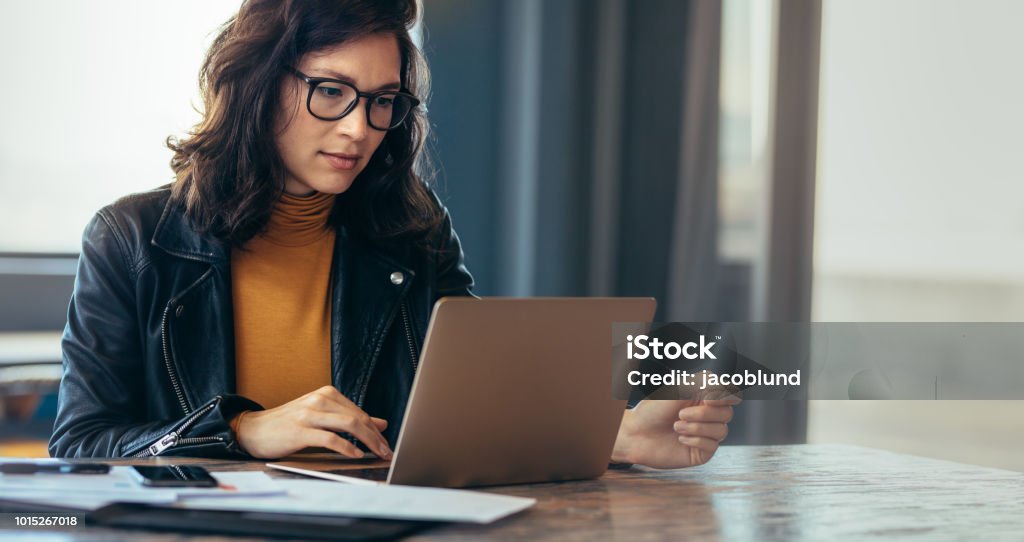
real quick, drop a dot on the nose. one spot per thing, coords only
(354, 125)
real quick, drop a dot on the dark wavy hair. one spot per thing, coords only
(228, 171)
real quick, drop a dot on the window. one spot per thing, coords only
(91, 91)
(920, 200)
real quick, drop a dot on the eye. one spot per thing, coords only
(383, 101)
(329, 91)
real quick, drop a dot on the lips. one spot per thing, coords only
(341, 161)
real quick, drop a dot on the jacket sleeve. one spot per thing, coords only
(453, 279)
(102, 389)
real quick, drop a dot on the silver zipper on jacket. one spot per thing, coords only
(369, 375)
(376, 354)
(169, 363)
(173, 439)
(408, 337)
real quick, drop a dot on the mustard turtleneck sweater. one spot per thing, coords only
(281, 293)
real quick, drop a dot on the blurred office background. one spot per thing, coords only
(835, 160)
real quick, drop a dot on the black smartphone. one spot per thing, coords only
(174, 476)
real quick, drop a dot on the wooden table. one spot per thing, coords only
(805, 492)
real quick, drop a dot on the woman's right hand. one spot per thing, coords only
(311, 420)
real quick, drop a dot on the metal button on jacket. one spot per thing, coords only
(397, 278)
(179, 311)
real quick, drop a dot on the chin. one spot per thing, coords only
(335, 184)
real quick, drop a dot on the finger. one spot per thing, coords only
(724, 392)
(706, 413)
(331, 395)
(331, 441)
(701, 443)
(725, 401)
(328, 400)
(345, 406)
(332, 401)
(715, 431)
(358, 425)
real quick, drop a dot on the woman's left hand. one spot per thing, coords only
(670, 434)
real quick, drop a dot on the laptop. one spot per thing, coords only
(508, 391)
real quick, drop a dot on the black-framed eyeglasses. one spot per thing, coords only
(332, 99)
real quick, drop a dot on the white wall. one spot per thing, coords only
(921, 138)
(920, 201)
(90, 92)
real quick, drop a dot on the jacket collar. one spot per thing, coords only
(176, 236)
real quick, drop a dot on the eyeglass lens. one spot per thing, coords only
(332, 100)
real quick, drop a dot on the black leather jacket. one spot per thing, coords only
(149, 344)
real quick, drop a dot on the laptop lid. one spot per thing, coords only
(513, 391)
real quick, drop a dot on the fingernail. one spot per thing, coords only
(679, 427)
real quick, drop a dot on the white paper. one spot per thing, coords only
(234, 485)
(91, 491)
(384, 501)
(91, 501)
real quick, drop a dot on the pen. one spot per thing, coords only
(54, 468)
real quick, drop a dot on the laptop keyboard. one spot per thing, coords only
(377, 474)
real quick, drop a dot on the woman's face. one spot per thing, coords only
(327, 156)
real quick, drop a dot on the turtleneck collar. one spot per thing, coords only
(299, 220)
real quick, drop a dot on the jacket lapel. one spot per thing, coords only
(199, 314)
(367, 291)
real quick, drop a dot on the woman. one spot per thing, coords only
(278, 292)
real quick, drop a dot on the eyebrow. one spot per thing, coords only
(342, 77)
